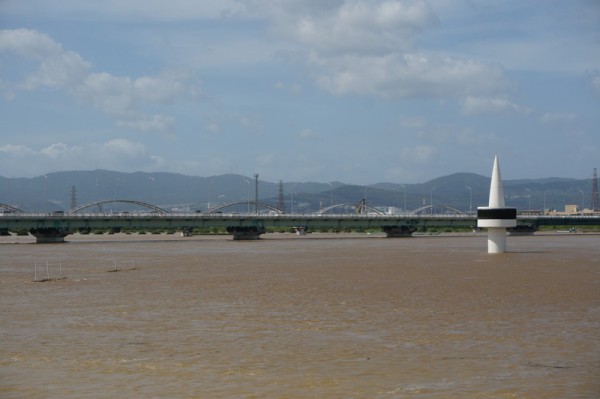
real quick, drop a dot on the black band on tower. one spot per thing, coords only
(497, 213)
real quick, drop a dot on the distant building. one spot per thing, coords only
(572, 209)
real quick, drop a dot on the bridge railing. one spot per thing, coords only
(194, 215)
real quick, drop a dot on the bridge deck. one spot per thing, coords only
(74, 222)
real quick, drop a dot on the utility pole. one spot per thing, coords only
(256, 193)
(46, 180)
(470, 197)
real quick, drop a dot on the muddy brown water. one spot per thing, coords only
(319, 316)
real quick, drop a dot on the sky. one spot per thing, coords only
(357, 91)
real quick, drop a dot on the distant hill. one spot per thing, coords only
(191, 193)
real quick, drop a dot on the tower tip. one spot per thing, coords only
(496, 199)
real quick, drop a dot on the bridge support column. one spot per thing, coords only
(246, 232)
(398, 231)
(49, 235)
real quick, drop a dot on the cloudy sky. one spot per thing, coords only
(358, 91)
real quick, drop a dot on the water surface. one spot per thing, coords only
(321, 316)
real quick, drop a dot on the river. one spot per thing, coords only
(315, 316)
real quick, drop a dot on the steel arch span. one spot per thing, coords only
(354, 206)
(260, 204)
(421, 210)
(10, 208)
(144, 204)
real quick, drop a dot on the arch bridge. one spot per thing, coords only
(10, 208)
(98, 203)
(248, 203)
(359, 209)
(437, 210)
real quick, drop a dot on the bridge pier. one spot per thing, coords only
(49, 235)
(398, 231)
(246, 232)
(522, 230)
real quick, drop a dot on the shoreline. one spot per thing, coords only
(116, 237)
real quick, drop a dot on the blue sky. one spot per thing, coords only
(360, 91)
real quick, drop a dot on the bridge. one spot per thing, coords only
(54, 227)
(123, 201)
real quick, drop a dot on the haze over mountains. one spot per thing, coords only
(172, 191)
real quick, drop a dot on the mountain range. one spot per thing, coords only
(172, 191)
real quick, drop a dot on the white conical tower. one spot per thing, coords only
(496, 217)
(496, 187)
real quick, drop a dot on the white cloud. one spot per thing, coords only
(351, 26)
(407, 75)
(486, 105)
(28, 43)
(558, 118)
(16, 150)
(164, 88)
(56, 67)
(113, 148)
(113, 95)
(419, 153)
(126, 10)
(379, 48)
(116, 154)
(147, 123)
(158, 162)
(368, 47)
(124, 147)
(59, 150)
(120, 97)
(64, 69)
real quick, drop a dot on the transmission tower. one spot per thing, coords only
(281, 201)
(595, 198)
(73, 197)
